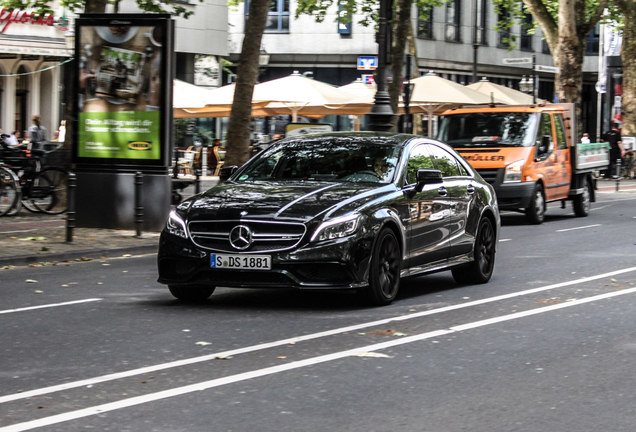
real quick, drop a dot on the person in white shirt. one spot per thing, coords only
(14, 140)
(586, 138)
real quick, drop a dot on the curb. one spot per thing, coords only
(74, 255)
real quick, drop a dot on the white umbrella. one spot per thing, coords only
(503, 94)
(433, 95)
(208, 102)
(298, 95)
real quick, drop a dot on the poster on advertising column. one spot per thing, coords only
(124, 89)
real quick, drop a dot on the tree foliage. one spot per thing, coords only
(42, 7)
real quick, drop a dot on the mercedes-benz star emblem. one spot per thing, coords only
(241, 237)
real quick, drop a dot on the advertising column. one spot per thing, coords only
(123, 118)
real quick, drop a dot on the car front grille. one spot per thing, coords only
(267, 236)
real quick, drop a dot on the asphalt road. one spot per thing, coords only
(547, 345)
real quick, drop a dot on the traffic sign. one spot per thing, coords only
(368, 63)
(551, 69)
(520, 60)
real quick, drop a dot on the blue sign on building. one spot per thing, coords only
(367, 63)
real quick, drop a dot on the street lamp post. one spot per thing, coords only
(381, 113)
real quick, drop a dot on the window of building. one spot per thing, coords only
(278, 17)
(503, 36)
(592, 41)
(526, 37)
(545, 48)
(425, 25)
(453, 21)
(481, 23)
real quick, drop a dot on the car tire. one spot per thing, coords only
(191, 293)
(384, 274)
(535, 213)
(480, 270)
(583, 202)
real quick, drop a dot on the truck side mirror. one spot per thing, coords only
(544, 147)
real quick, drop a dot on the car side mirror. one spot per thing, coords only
(427, 176)
(226, 172)
(544, 147)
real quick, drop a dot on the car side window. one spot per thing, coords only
(560, 132)
(545, 129)
(445, 162)
(420, 157)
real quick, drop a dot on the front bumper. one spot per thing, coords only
(336, 264)
(512, 196)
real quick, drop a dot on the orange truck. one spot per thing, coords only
(529, 153)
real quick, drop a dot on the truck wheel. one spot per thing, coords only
(535, 213)
(191, 293)
(583, 202)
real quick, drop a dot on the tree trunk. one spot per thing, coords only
(628, 57)
(401, 25)
(238, 136)
(569, 55)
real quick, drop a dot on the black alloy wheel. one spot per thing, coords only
(480, 270)
(191, 293)
(384, 275)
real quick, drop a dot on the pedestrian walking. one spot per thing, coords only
(37, 132)
(613, 137)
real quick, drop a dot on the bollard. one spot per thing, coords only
(618, 173)
(139, 209)
(70, 212)
(197, 181)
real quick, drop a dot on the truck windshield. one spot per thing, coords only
(485, 129)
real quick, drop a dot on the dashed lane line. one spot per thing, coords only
(30, 308)
(296, 339)
(218, 382)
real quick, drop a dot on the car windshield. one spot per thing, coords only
(481, 129)
(324, 160)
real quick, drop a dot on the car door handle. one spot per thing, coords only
(470, 189)
(442, 191)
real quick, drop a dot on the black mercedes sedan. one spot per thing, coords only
(354, 210)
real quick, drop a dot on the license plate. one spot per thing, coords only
(243, 262)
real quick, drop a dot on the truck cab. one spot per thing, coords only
(528, 153)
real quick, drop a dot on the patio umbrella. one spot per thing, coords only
(298, 95)
(209, 102)
(503, 94)
(433, 95)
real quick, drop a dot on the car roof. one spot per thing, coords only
(355, 137)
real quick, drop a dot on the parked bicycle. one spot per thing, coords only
(40, 189)
(10, 191)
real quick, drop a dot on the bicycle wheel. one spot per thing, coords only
(49, 193)
(9, 191)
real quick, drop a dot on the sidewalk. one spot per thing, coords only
(31, 238)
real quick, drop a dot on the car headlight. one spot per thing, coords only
(337, 228)
(513, 172)
(176, 226)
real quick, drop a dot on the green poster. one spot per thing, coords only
(121, 135)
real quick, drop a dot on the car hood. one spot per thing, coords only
(282, 200)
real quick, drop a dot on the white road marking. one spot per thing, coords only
(293, 340)
(6, 311)
(139, 400)
(578, 228)
(504, 240)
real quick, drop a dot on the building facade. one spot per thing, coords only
(330, 51)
